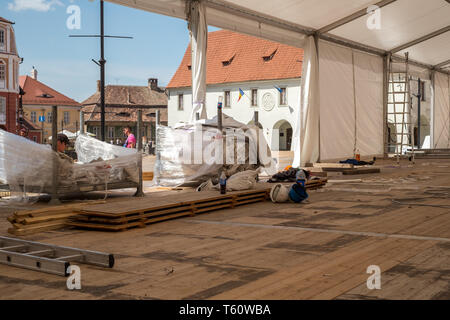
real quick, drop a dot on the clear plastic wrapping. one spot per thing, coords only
(27, 167)
(189, 154)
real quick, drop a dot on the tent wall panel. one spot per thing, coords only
(337, 112)
(441, 111)
(369, 103)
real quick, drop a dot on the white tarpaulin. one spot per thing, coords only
(199, 39)
(306, 135)
(337, 104)
(369, 103)
(351, 102)
(442, 111)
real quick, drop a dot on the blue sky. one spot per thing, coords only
(65, 63)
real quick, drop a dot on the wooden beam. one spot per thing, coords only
(421, 39)
(352, 17)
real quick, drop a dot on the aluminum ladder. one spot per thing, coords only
(399, 109)
(48, 258)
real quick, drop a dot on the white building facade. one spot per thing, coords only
(267, 73)
(276, 110)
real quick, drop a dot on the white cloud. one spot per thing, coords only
(37, 5)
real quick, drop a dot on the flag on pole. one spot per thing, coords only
(241, 94)
(279, 89)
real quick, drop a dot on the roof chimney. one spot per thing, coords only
(99, 85)
(34, 73)
(153, 83)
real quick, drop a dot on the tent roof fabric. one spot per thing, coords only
(290, 21)
(234, 57)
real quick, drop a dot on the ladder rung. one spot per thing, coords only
(13, 247)
(39, 252)
(68, 258)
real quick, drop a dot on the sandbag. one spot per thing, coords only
(279, 193)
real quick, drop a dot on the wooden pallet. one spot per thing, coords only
(27, 222)
(139, 217)
(356, 171)
(149, 210)
(147, 176)
(4, 194)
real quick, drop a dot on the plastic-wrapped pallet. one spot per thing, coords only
(192, 154)
(24, 165)
(27, 167)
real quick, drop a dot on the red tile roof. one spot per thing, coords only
(34, 89)
(246, 56)
(119, 95)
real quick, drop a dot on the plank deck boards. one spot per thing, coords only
(268, 251)
(144, 211)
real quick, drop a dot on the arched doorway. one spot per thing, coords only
(282, 133)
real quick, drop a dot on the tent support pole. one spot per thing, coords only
(385, 103)
(139, 189)
(55, 199)
(316, 42)
(433, 106)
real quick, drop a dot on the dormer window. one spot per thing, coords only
(228, 61)
(268, 57)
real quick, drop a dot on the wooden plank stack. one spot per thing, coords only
(142, 212)
(432, 154)
(150, 210)
(346, 168)
(27, 222)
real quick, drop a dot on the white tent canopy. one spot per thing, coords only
(402, 22)
(353, 38)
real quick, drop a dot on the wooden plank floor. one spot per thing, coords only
(398, 220)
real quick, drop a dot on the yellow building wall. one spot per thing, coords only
(73, 125)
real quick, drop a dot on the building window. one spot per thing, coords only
(180, 102)
(111, 132)
(34, 138)
(66, 117)
(283, 100)
(49, 117)
(422, 91)
(96, 131)
(254, 97)
(2, 110)
(2, 39)
(33, 116)
(2, 75)
(227, 101)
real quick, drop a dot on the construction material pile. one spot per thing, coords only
(27, 167)
(191, 154)
(25, 222)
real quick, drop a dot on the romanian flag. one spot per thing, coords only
(241, 94)
(279, 89)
